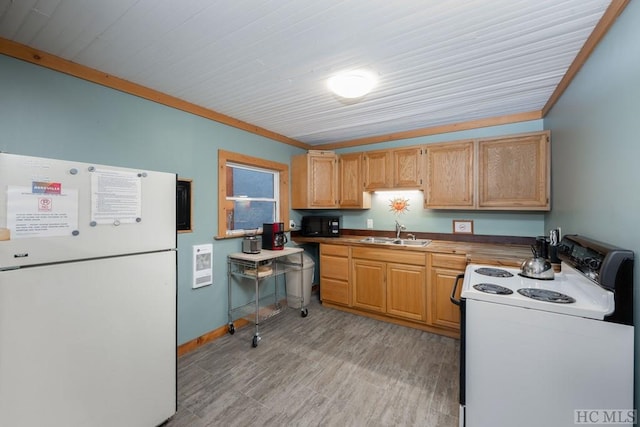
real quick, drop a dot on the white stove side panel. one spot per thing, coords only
(530, 368)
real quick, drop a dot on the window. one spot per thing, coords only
(252, 191)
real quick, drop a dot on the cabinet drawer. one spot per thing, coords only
(334, 291)
(456, 262)
(334, 267)
(390, 255)
(337, 250)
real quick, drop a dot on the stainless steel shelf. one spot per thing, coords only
(258, 268)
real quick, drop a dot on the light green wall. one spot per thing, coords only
(596, 148)
(49, 114)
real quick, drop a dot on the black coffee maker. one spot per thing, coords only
(273, 237)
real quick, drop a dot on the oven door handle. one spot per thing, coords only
(455, 287)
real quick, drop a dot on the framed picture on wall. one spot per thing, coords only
(184, 206)
(463, 226)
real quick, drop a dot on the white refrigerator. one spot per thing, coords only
(87, 294)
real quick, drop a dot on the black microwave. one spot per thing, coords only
(320, 226)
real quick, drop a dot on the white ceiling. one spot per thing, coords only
(266, 62)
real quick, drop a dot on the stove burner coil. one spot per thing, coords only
(491, 288)
(546, 295)
(493, 272)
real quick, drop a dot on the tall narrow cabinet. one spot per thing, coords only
(314, 180)
(449, 171)
(351, 182)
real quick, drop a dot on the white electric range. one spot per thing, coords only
(548, 352)
(569, 293)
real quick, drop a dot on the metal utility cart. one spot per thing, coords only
(243, 268)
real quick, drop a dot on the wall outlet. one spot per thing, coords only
(369, 223)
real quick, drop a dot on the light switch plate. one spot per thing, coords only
(369, 223)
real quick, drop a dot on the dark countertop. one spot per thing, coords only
(508, 255)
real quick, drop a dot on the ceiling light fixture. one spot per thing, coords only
(352, 84)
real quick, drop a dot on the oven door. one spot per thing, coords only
(463, 315)
(532, 368)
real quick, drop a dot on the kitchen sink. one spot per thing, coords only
(380, 240)
(397, 242)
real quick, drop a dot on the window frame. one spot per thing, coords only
(225, 157)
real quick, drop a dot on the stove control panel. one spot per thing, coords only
(583, 258)
(608, 266)
(598, 261)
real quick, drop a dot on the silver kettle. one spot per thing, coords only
(537, 267)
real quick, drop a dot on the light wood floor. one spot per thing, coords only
(328, 369)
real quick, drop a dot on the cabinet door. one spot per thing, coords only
(352, 194)
(368, 279)
(449, 176)
(444, 312)
(314, 180)
(406, 291)
(377, 170)
(514, 172)
(407, 168)
(323, 184)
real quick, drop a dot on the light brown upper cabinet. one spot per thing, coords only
(314, 180)
(514, 172)
(407, 168)
(377, 170)
(391, 169)
(351, 182)
(449, 175)
(507, 173)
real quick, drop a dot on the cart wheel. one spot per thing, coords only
(254, 343)
(232, 328)
(304, 312)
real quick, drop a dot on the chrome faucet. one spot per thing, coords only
(399, 229)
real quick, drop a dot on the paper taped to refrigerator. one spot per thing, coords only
(42, 210)
(116, 197)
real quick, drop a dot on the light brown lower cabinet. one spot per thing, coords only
(334, 274)
(443, 271)
(390, 282)
(406, 291)
(369, 279)
(411, 288)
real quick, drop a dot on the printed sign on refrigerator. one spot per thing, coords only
(43, 210)
(116, 197)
